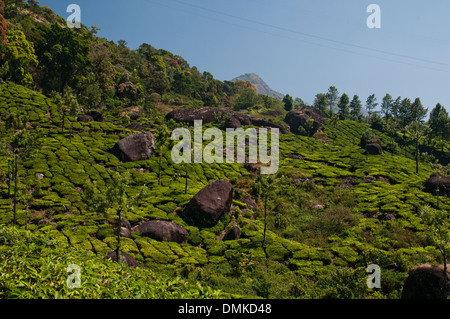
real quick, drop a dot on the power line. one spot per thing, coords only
(313, 36)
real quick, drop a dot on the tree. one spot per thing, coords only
(182, 82)
(288, 102)
(371, 104)
(404, 109)
(386, 106)
(240, 86)
(91, 94)
(416, 131)
(161, 141)
(355, 108)
(246, 99)
(332, 96)
(309, 125)
(63, 57)
(441, 171)
(22, 147)
(417, 111)
(321, 102)
(439, 122)
(395, 108)
(112, 200)
(267, 184)
(343, 105)
(438, 231)
(65, 103)
(299, 104)
(19, 54)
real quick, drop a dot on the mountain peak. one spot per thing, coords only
(262, 86)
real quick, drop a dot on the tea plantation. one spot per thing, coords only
(334, 210)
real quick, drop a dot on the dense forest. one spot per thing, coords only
(361, 180)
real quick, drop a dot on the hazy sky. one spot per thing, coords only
(299, 47)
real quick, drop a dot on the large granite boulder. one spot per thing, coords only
(135, 147)
(297, 120)
(85, 118)
(425, 282)
(230, 119)
(438, 180)
(163, 231)
(374, 149)
(206, 115)
(371, 144)
(366, 140)
(209, 204)
(96, 115)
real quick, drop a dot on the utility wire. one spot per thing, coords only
(312, 35)
(296, 39)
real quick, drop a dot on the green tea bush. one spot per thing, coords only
(35, 267)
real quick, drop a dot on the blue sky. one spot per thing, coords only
(299, 47)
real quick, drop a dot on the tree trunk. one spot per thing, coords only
(160, 156)
(265, 219)
(437, 200)
(186, 178)
(9, 178)
(417, 156)
(15, 188)
(445, 276)
(119, 221)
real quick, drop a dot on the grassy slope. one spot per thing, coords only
(295, 263)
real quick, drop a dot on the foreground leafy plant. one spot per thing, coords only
(34, 267)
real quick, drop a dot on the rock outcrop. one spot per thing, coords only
(135, 147)
(90, 117)
(231, 118)
(297, 120)
(371, 144)
(438, 180)
(85, 118)
(209, 204)
(425, 282)
(163, 231)
(374, 149)
(96, 115)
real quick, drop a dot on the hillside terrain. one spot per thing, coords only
(72, 190)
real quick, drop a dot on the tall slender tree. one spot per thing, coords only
(267, 186)
(355, 108)
(386, 106)
(23, 145)
(371, 104)
(321, 103)
(418, 111)
(332, 96)
(162, 138)
(343, 105)
(439, 122)
(416, 131)
(113, 199)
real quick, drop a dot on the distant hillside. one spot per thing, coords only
(262, 86)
